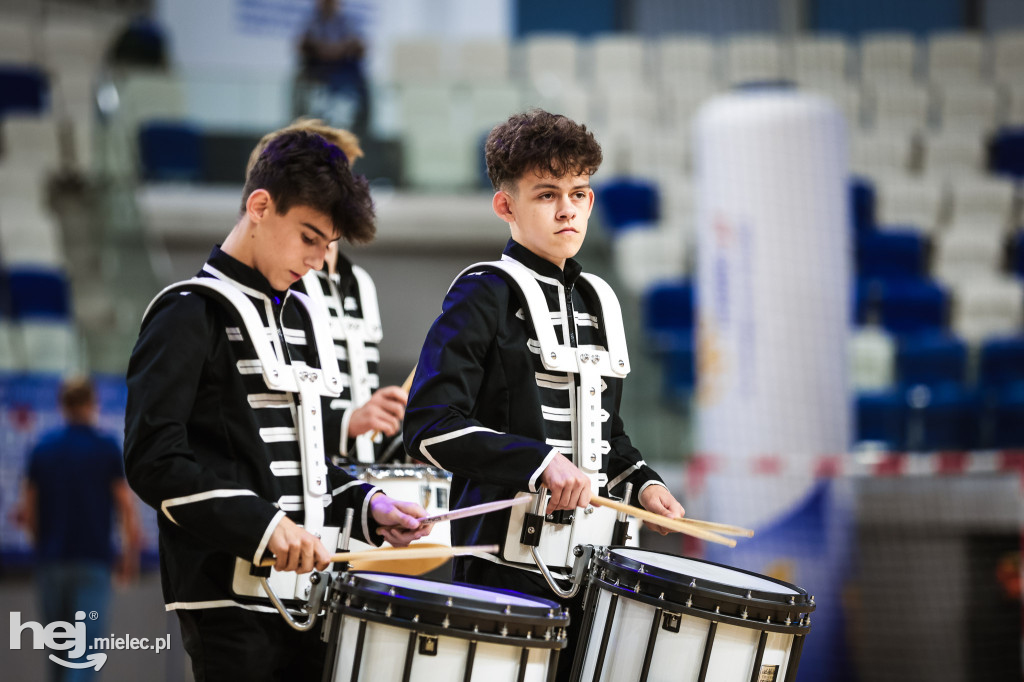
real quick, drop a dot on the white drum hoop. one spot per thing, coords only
(621, 572)
(429, 609)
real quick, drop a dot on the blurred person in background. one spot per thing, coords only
(74, 483)
(371, 415)
(332, 52)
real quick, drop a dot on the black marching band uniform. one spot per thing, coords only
(226, 433)
(490, 404)
(349, 298)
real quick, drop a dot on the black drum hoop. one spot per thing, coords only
(666, 588)
(363, 597)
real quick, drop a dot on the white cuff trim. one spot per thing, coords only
(543, 465)
(366, 515)
(266, 536)
(644, 487)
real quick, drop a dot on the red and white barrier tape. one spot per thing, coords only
(865, 464)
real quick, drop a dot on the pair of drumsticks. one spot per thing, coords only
(705, 530)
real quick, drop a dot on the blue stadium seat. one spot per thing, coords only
(931, 359)
(1000, 363)
(1018, 254)
(887, 255)
(946, 417)
(625, 202)
(1004, 418)
(668, 314)
(23, 90)
(881, 418)
(171, 151)
(1006, 153)
(39, 293)
(912, 306)
(862, 204)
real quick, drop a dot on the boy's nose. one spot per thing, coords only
(566, 209)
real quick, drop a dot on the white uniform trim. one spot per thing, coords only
(543, 465)
(200, 497)
(215, 604)
(258, 554)
(446, 437)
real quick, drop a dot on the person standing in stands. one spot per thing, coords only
(371, 415)
(332, 52)
(74, 485)
(226, 433)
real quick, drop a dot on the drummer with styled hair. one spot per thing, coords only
(519, 380)
(226, 434)
(371, 415)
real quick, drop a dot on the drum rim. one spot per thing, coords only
(422, 628)
(706, 585)
(393, 609)
(466, 605)
(797, 627)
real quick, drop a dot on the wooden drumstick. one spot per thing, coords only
(400, 553)
(465, 512)
(723, 528)
(406, 386)
(672, 524)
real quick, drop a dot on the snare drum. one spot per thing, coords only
(425, 485)
(387, 628)
(655, 616)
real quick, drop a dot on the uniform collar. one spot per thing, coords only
(542, 266)
(243, 274)
(343, 270)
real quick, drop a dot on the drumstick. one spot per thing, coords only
(465, 512)
(672, 524)
(406, 385)
(397, 553)
(723, 528)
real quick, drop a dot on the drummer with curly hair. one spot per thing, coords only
(519, 380)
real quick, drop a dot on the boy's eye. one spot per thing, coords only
(546, 195)
(308, 240)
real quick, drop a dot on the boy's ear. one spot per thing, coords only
(258, 203)
(502, 206)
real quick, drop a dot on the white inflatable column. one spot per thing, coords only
(773, 288)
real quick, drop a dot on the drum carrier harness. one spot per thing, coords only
(558, 541)
(309, 384)
(355, 333)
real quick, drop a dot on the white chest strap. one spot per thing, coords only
(354, 333)
(588, 364)
(309, 383)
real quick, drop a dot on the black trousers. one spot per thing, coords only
(232, 643)
(490, 574)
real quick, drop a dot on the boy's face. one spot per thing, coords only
(286, 247)
(548, 215)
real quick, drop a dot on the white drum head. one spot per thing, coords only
(705, 571)
(481, 594)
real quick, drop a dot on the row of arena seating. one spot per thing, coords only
(614, 59)
(946, 292)
(37, 333)
(922, 390)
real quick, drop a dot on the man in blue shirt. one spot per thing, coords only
(73, 484)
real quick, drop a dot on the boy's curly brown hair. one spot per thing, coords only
(537, 140)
